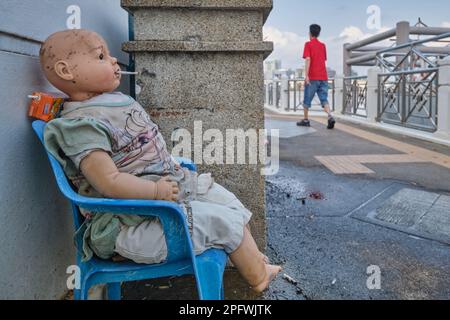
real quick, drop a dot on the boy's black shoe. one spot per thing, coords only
(331, 123)
(304, 123)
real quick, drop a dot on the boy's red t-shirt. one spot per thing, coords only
(317, 51)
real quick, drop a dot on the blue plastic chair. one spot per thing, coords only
(207, 268)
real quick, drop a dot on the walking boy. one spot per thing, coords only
(315, 55)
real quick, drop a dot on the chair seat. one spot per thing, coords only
(100, 265)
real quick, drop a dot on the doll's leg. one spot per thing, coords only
(219, 195)
(250, 263)
(216, 225)
(265, 258)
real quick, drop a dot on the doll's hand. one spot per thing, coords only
(177, 164)
(167, 190)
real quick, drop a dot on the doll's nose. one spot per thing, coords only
(114, 60)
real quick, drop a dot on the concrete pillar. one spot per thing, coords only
(203, 61)
(339, 94)
(444, 99)
(372, 94)
(347, 54)
(284, 100)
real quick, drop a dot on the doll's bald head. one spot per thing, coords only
(78, 63)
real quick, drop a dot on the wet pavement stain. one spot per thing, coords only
(317, 195)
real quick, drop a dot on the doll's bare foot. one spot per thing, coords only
(271, 273)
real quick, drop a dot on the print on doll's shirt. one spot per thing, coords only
(139, 144)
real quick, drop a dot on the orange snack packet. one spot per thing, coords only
(45, 106)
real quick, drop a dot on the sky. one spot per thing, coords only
(342, 21)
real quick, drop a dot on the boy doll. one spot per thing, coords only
(109, 147)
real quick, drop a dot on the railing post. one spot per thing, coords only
(444, 99)
(339, 94)
(284, 92)
(347, 54)
(354, 96)
(403, 104)
(403, 32)
(295, 94)
(372, 94)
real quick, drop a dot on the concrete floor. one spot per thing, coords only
(328, 243)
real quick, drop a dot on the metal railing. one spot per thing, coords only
(408, 85)
(412, 56)
(296, 94)
(296, 91)
(355, 96)
(409, 98)
(404, 55)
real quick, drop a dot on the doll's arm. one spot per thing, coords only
(102, 173)
(177, 164)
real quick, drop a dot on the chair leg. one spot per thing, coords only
(210, 281)
(84, 291)
(77, 294)
(114, 291)
(86, 284)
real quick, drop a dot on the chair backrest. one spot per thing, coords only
(60, 176)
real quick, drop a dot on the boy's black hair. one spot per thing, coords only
(315, 30)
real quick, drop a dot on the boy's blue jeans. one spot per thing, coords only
(316, 86)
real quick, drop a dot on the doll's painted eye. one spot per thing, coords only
(101, 57)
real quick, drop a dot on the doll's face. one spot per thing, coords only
(79, 63)
(93, 67)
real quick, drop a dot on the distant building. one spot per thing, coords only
(279, 73)
(274, 68)
(273, 65)
(300, 73)
(270, 68)
(290, 73)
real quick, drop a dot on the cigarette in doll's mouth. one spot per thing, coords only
(127, 73)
